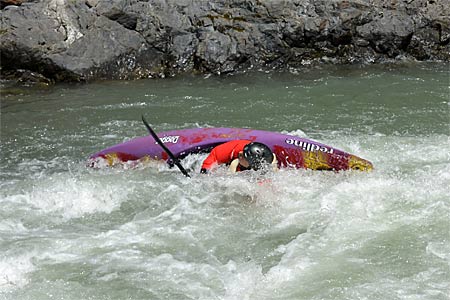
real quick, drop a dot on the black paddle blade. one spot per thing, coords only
(172, 157)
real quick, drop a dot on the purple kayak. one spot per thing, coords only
(291, 151)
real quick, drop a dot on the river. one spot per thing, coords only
(68, 231)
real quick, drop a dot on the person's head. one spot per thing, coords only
(255, 155)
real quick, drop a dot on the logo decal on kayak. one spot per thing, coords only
(170, 139)
(309, 146)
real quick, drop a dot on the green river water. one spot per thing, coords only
(71, 232)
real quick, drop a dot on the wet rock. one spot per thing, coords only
(125, 39)
(26, 77)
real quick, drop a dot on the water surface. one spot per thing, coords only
(71, 232)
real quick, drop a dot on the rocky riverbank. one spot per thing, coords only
(59, 40)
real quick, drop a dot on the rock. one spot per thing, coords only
(125, 39)
(389, 33)
(27, 77)
(214, 50)
(116, 11)
(72, 43)
(184, 46)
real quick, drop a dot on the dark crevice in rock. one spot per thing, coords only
(127, 21)
(406, 41)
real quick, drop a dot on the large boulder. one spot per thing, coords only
(124, 39)
(71, 42)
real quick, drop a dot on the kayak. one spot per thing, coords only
(291, 151)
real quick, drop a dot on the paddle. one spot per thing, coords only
(175, 160)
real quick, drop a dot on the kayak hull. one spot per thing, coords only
(291, 151)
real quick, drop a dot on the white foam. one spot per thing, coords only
(440, 249)
(12, 225)
(298, 132)
(14, 271)
(242, 280)
(70, 197)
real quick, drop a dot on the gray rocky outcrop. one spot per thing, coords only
(68, 40)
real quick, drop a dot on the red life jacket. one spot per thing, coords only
(224, 153)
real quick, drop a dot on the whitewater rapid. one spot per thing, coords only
(68, 231)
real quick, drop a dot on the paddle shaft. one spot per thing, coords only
(175, 160)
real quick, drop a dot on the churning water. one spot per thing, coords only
(71, 232)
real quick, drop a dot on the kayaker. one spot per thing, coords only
(240, 155)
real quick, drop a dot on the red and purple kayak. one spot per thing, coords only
(291, 151)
